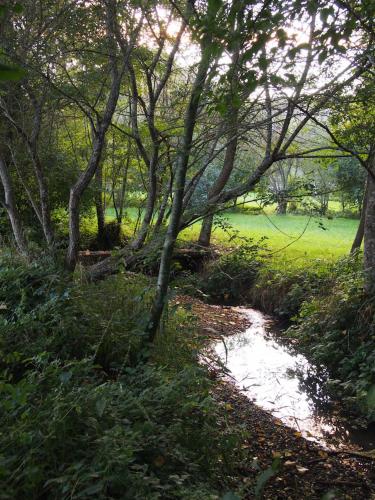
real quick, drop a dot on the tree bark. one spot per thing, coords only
(206, 230)
(163, 205)
(361, 227)
(282, 205)
(369, 230)
(150, 205)
(180, 180)
(10, 206)
(100, 217)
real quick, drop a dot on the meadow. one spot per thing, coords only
(291, 239)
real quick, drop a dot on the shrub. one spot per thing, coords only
(336, 329)
(231, 277)
(282, 292)
(82, 414)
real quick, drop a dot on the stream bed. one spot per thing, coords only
(287, 385)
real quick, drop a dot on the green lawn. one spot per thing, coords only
(322, 238)
(293, 238)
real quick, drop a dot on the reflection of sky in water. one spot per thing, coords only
(265, 371)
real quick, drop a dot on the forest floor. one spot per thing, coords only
(306, 469)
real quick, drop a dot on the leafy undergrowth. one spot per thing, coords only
(82, 415)
(336, 329)
(332, 321)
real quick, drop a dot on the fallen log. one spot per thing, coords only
(147, 260)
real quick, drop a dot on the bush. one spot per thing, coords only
(336, 328)
(282, 293)
(82, 414)
(230, 278)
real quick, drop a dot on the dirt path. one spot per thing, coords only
(307, 471)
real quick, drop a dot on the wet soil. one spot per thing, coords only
(307, 470)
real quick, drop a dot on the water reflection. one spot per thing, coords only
(286, 384)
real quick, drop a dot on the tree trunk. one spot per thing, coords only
(99, 205)
(75, 198)
(230, 155)
(361, 227)
(282, 204)
(180, 180)
(163, 206)
(369, 230)
(150, 205)
(44, 199)
(10, 206)
(206, 230)
(97, 147)
(123, 191)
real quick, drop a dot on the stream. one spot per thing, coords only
(287, 385)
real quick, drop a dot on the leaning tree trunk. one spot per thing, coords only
(230, 155)
(179, 188)
(10, 206)
(369, 230)
(361, 227)
(163, 206)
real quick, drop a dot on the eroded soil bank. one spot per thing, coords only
(308, 470)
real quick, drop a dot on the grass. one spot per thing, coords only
(293, 239)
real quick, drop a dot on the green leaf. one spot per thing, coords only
(100, 406)
(18, 8)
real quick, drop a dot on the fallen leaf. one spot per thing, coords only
(301, 470)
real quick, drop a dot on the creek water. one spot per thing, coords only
(286, 384)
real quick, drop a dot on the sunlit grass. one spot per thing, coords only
(292, 239)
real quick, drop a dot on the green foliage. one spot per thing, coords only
(282, 292)
(336, 328)
(230, 278)
(81, 415)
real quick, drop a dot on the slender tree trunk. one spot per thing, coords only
(123, 191)
(230, 155)
(97, 147)
(99, 205)
(150, 205)
(369, 230)
(163, 205)
(75, 198)
(179, 185)
(361, 227)
(44, 199)
(10, 206)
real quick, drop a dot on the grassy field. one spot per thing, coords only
(292, 239)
